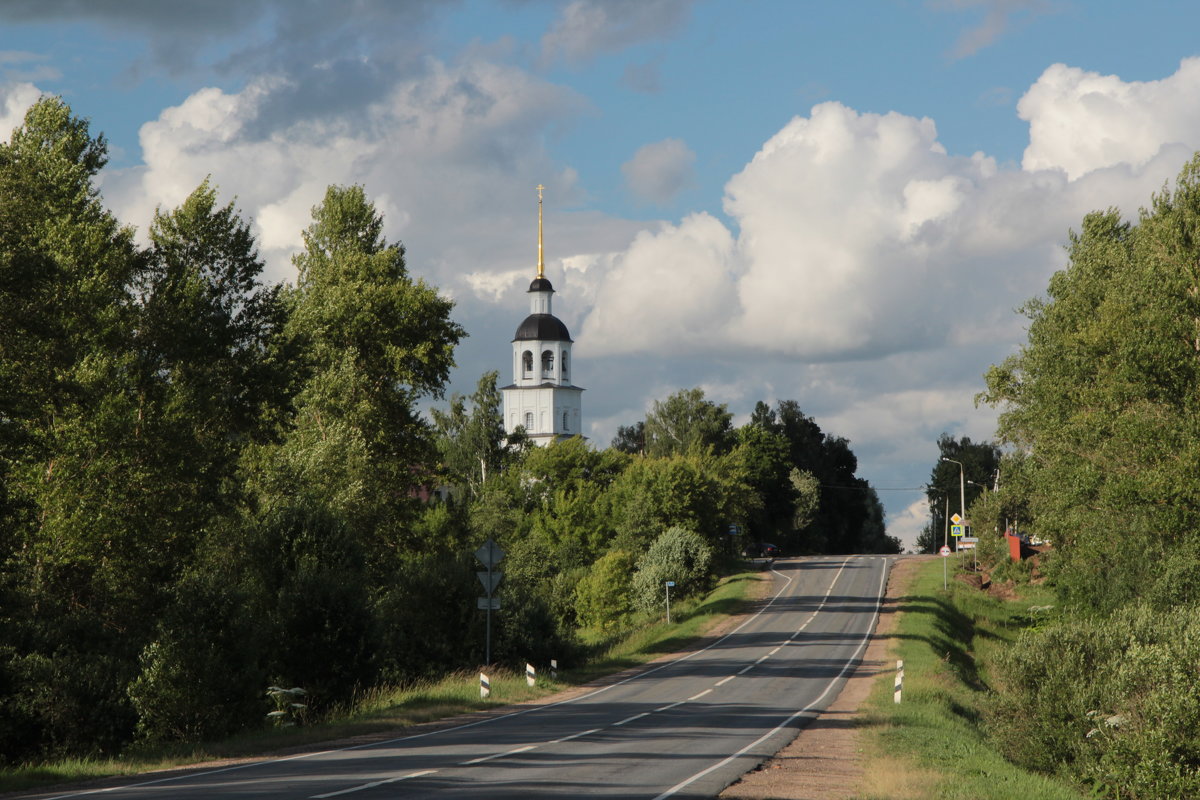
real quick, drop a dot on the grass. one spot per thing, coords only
(934, 744)
(389, 711)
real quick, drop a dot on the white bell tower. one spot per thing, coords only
(541, 398)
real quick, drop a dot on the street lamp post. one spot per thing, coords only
(962, 488)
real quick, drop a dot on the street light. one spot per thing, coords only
(962, 487)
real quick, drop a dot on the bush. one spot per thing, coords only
(1108, 701)
(677, 555)
(603, 597)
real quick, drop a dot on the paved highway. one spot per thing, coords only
(687, 727)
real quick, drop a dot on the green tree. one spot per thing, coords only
(699, 492)
(764, 453)
(808, 497)
(981, 462)
(83, 565)
(603, 597)
(685, 422)
(472, 443)
(630, 439)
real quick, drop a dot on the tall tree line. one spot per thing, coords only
(204, 481)
(1101, 410)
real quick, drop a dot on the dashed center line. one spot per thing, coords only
(698, 696)
(374, 784)
(724, 681)
(524, 749)
(579, 735)
(631, 719)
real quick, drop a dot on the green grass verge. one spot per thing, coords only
(934, 743)
(395, 709)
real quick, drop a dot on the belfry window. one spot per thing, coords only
(548, 364)
(564, 364)
(527, 364)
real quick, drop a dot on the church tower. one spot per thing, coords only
(541, 397)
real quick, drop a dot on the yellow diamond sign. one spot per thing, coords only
(956, 519)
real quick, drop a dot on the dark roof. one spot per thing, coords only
(546, 327)
(540, 285)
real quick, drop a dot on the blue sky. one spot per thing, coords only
(837, 203)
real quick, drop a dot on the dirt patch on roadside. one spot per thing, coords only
(825, 761)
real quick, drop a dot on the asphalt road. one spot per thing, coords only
(686, 727)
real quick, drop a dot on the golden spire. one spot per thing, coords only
(541, 263)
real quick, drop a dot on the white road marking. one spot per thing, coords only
(724, 681)
(851, 662)
(482, 759)
(374, 784)
(579, 735)
(698, 696)
(631, 719)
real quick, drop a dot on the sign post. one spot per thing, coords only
(490, 555)
(945, 552)
(669, 585)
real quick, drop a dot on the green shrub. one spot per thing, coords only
(602, 596)
(677, 555)
(1110, 702)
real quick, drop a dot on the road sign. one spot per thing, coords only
(956, 530)
(956, 519)
(670, 583)
(945, 551)
(969, 540)
(490, 554)
(488, 603)
(963, 544)
(490, 580)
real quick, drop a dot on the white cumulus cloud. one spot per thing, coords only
(438, 153)
(1082, 121)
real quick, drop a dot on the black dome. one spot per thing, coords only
(545, 327)
(540, 285)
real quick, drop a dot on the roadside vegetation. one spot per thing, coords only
(1100, 430)
(938, 742)
(385, 712)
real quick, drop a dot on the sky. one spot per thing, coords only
(841, 204)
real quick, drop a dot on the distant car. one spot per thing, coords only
(769, 550)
